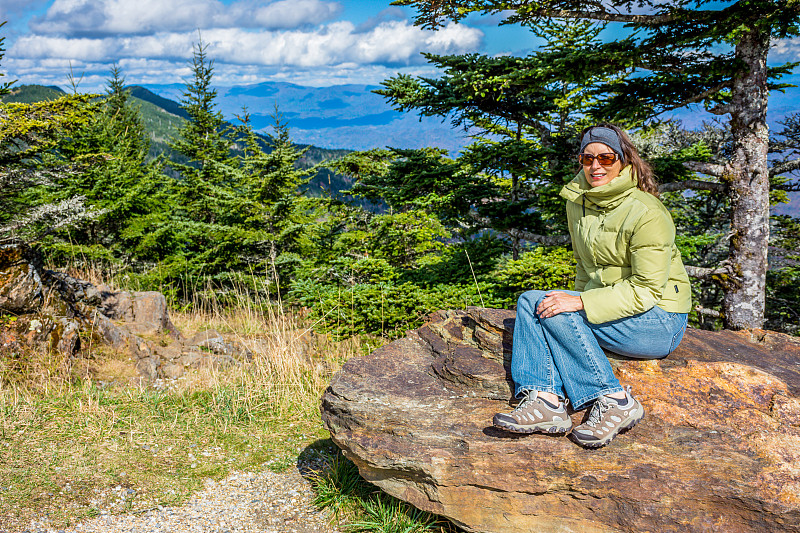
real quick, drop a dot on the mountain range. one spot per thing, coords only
(341, 118)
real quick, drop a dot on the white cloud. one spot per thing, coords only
(249, 40)
(74, 18)
(388, 43)
(785, 50)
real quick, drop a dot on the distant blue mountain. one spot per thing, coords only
(341, 116)
(353, 117)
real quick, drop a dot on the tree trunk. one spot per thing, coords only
(748, 173)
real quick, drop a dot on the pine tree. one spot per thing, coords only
(204, 141)
(526, 112)
(273, 185)
(684, 52)
(28, 134)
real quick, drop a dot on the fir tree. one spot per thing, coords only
(683, 53)
(526, 112)
(28, 135)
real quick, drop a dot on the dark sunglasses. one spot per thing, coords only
(604, 159)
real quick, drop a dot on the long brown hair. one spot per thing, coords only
(642, 171)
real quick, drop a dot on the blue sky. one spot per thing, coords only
(308, 42)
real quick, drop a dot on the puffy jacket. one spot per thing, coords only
(624, 242)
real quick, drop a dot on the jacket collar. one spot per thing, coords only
(606, 196)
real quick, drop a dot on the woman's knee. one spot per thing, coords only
(529, 301)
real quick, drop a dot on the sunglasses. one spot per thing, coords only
(604, 159)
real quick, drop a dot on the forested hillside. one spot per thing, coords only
(162, 118)
(169, 195)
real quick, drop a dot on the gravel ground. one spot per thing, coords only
(244, 502)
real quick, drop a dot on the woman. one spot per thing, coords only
(631, 297)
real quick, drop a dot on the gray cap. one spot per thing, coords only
(607, 136)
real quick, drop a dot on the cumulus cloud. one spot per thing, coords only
(395, 42)
(249, 41)
(96, 18)
(785, 49)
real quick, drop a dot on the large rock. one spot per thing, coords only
(143, 313)
(46, 310)
(718, 450)
(20, 283)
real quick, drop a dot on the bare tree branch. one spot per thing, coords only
(708, 312)
(709, 169)
(788, 187)
(721, 109)
(644, 20)
(699, 97)
(697, 185)
(787, 166)
(708, 273)
(546, 240)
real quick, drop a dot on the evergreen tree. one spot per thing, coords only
(684, 52)
(108, 154)
(274, 186)
(526, 111)
(28, 134)
(204, 141)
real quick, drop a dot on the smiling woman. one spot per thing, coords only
(631, 297)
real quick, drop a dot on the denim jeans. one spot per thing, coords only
(564, 354)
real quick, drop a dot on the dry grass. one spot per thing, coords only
(82, 436)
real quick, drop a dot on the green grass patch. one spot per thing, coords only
(362, 507)
(67, 454)
(83, 436)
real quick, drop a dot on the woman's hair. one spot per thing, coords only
(642, 171)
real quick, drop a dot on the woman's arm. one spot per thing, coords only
(581, 277)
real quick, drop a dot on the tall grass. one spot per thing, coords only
(73, 430)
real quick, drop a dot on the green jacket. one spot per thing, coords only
(624, 241)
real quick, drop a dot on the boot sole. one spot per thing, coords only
(552, 429)
(609, 438)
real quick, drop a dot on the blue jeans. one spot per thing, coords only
(564, 355)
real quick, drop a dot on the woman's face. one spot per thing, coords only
(597, 174)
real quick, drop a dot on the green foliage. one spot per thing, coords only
(388, 309)
(402, 299)
(541, 268)
(234, 205)
(783, 289)
(29, 165)
(524, 113)
(109, 153)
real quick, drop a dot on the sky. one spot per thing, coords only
(307, 42)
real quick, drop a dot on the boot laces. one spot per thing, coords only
(529, 397)
(600, 407)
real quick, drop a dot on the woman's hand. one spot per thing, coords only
(556, 302)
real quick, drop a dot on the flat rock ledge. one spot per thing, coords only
(718, 450)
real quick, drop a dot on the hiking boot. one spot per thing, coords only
(534, 415)
(608, 417)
